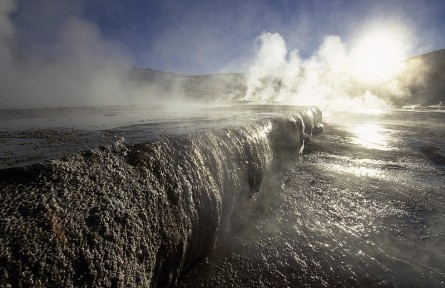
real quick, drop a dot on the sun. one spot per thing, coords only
(377, 57)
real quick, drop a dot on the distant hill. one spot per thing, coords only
(426, 79)
(424, 83)
(227, 86)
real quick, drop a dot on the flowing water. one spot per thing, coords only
(364, 206)
(222, 197)
(134, 204)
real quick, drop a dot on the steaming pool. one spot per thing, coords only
(87, 202)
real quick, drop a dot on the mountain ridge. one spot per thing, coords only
(424, 83)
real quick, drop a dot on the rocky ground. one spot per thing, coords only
(356, 210)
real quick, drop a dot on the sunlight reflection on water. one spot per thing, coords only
(356, 170)
(357, 167)
(372, 136)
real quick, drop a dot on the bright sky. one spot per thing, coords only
(205, 36)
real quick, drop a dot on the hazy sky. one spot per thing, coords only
(204, 36)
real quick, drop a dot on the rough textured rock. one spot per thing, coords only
(134, 215)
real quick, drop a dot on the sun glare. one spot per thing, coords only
(378, 57)
(371, 136)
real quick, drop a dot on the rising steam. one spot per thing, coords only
(329, 77)
(85, 69)
(89, 69)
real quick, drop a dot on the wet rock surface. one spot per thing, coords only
(25, 147)
(432, 152)
(131, 214)
(357, 209)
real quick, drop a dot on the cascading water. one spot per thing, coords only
(136, 214)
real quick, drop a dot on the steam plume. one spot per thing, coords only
(326, 78)
(85, 68)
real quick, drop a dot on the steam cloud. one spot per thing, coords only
(92, 70)
(326, 78)
(88, 69)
